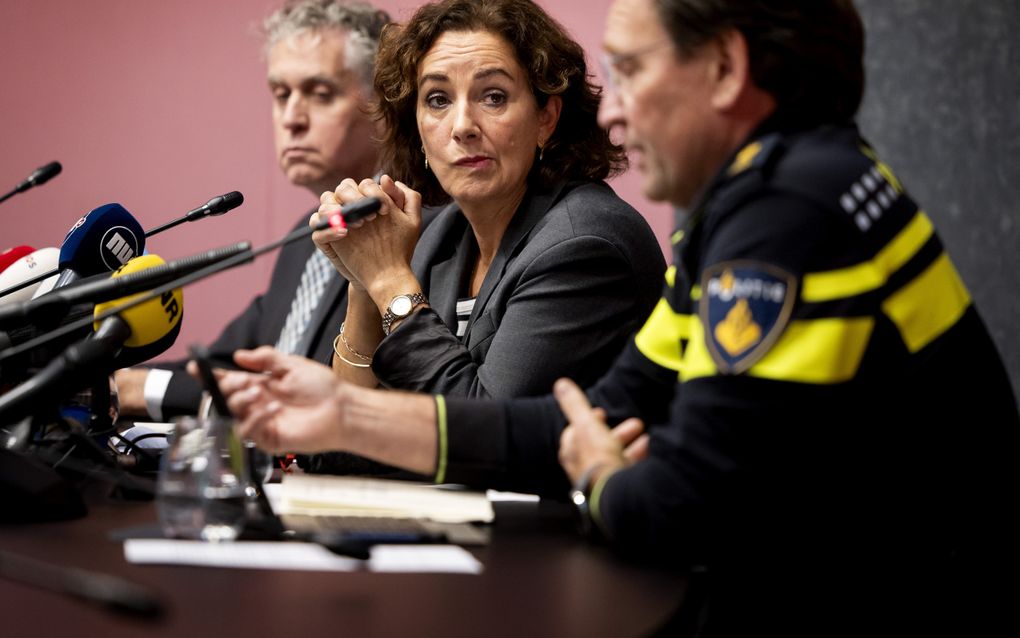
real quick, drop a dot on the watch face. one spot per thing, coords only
(401, 305)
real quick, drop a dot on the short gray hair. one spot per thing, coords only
(362, 23)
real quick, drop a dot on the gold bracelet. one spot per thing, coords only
(348, 346)
(347, 361)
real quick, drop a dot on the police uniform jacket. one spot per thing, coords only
(833, 432)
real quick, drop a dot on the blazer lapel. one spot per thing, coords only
(438, 262)
(531, 211)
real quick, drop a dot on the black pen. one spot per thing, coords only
(200, 354)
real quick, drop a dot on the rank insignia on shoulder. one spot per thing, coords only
(755, 154)
(744, 307)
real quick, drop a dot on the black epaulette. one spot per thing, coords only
(835, 170)
(750, 170)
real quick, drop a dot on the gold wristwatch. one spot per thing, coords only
(401, 306)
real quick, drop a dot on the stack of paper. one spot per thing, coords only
(315, 495)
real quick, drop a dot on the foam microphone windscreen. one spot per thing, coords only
(28, 267)
(154, 324)
(102, 241)
(12, 255)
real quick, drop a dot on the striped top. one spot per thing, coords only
(464, 308)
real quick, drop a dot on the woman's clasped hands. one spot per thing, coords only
(372, 250)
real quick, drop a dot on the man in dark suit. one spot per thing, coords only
(320, 56)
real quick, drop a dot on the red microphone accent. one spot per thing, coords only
(12, 255)
(336, 220)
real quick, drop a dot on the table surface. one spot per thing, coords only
(540, 579)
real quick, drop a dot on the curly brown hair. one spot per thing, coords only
(579, 149)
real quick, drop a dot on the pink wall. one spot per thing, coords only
(160, 106)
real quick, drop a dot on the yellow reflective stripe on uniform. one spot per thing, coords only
(659, 338)
(869, 275)
(819, 351)
(929, 305)
(440, 439)
(671, 276)
(697, 361)
(845, 282)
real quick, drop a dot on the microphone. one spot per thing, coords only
(135, 333)
(150, 327)
(351, 212)
(216, 206)
(212, 208)
(134, 241)
(38, 177)
(355, 211)
(103, 240)
(138, 275)
(21, 277)
(12, 255)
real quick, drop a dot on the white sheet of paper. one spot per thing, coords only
(449, 559)
(495, 496)
(300, 556)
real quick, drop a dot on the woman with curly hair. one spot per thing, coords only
(534, 269)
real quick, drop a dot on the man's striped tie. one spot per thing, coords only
(317, 275)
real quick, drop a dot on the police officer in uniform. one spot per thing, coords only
(829, 434)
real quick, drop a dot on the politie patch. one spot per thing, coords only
(744, 307)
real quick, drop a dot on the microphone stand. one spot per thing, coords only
(101, 422)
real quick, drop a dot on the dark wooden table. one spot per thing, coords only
(540, 579)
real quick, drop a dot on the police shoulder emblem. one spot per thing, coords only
(744, 307)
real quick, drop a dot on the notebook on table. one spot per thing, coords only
(381, 510)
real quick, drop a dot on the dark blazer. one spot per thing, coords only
(261, 323)
(576, 273)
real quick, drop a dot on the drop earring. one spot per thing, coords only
(426, 157)
(541, 151)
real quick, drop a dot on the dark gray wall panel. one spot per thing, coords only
(942, 108)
